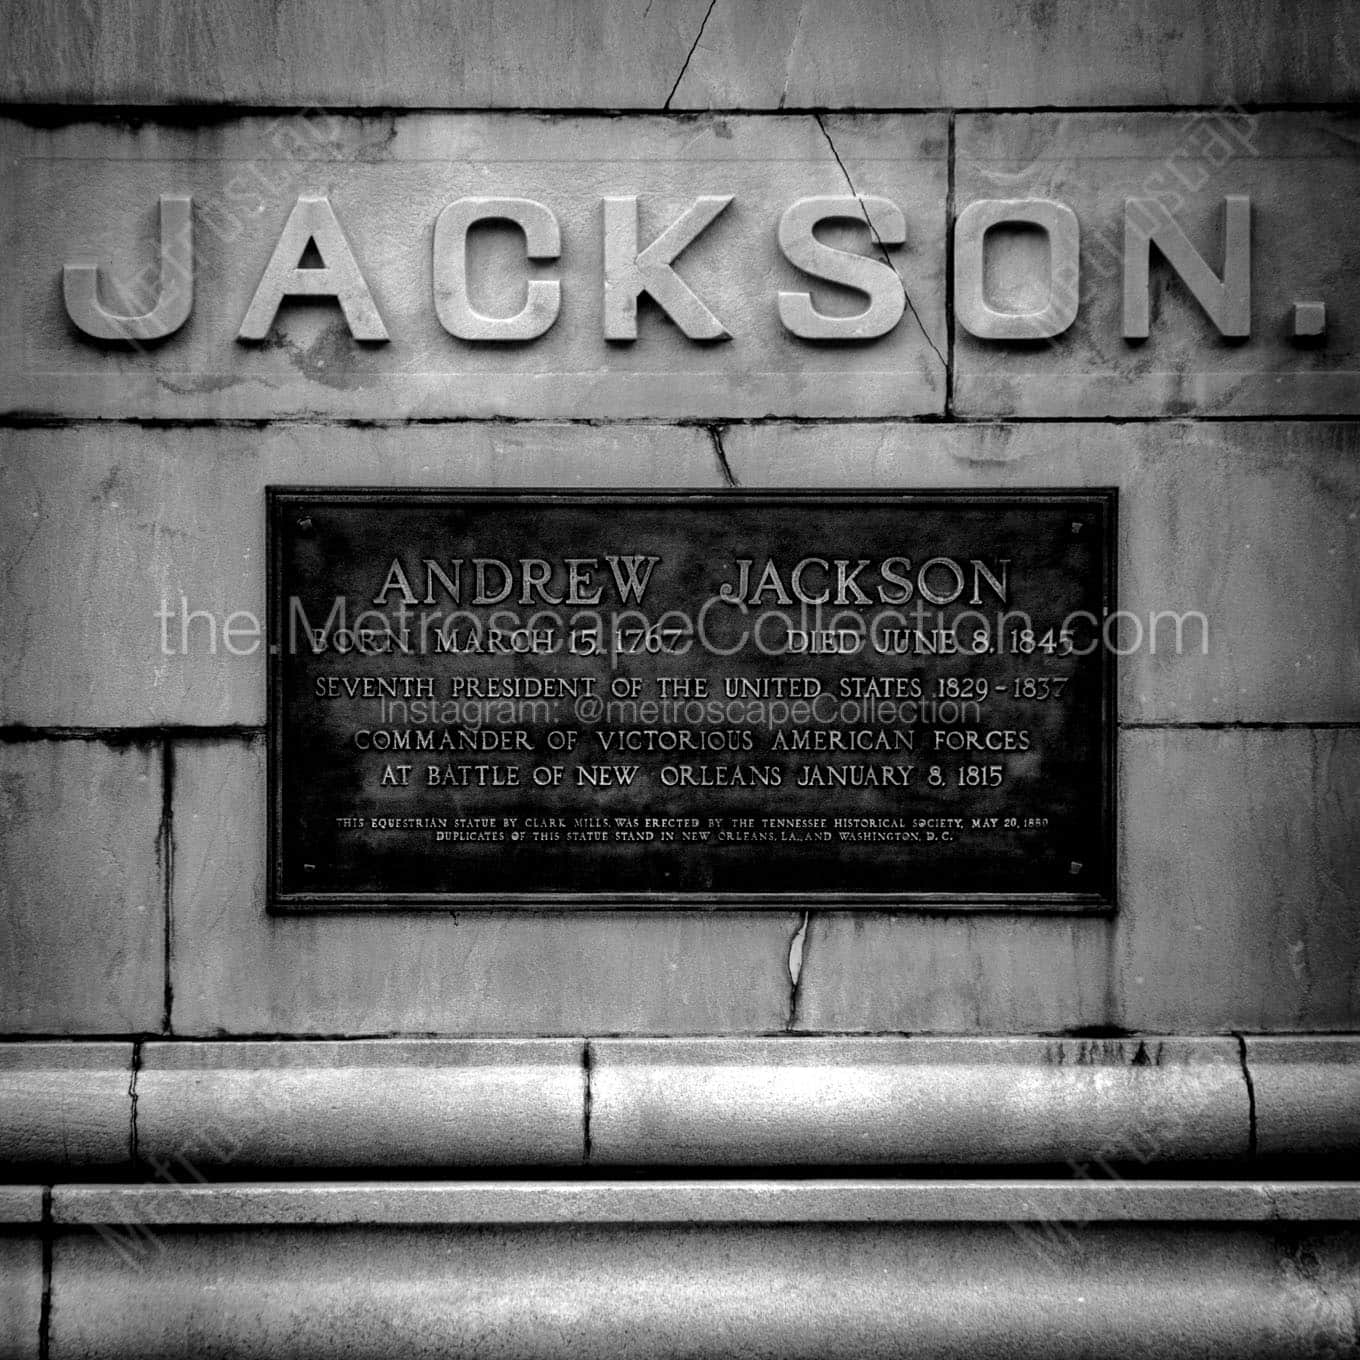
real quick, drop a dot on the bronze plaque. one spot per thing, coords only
(549, 698)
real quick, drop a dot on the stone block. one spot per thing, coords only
(430, 54)
(1302, 179)
(21, 1272)
(1241, 873)
(859, 1102)
(877, 53)
(238, 970)
(21, 1293)
(82, 921)
(387, 180)
(65, 1104)
(1253, 526)
(960, 973)
(366, 1103)
(129, 551)
(21, 1204)
(1307, 1091)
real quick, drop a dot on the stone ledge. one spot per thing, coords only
(20, 1204)
(816, 1100)
(704, 1201)
(1307, 1093)
(362, 1103)
(794, 1285)
(933, 1100)
(65, 1104)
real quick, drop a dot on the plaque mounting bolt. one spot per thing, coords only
(305, 524)
(1076, 526)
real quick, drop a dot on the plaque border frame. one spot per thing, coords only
(280, 498)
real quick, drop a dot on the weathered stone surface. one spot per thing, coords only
(1292, 481)
(81, 911)
(65, 1104)
(1307, 1093)
(881, 53)
(21, 1204)
(1236, 910)
(768, 1200)
(1254, 526)
(798, 1289)
(1302, 176)
(362, 1103)
(388, 179)
(670, 1102)
(464, 54)
(959, 1101)
(778, 54)
(21, 1272)
(1242, 871)
(1229, 916)
(104, 526)
(237, 970)
(21, 1290)
(971, 972)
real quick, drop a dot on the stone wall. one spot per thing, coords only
(145, 991)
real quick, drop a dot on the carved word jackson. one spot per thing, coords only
(313, 259)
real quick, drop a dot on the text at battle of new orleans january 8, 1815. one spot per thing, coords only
(755, 698)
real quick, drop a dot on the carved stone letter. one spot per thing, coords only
(875, 278)
(313, 221)
(543, 297)
(80, 284)
(971, 308)
(629, 271)
(1227, 300)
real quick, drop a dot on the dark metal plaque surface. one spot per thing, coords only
(549, 698)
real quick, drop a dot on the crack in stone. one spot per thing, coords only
(882, 249)
(715, 434)
(788, 57)
(165, 854)
(587, 1065)
(949, 321)
(690, 54)
(132, 1097)
(797, 952)
(45, 1305)
(1251, 1094)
